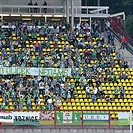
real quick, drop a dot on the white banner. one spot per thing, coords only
(95, 116)
(26, 118)
(6, 117)
(67, 117)
(10, 117)
(24, 115)
(35, 71)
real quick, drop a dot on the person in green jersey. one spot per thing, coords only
(116, 92)
(36, 95)
(21, 100)
(29, 101)
(3, 105)
(13, 95)
(38, 60)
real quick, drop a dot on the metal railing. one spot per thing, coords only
(73, 120)
(101, 11)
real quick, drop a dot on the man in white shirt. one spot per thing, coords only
(41, 88)
(87, 91)
(78, 26)
(50, 104)
(95, 90)
(46, 89)
(62, 86)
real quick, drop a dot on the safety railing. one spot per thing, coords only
(118, 35)
(54, 10)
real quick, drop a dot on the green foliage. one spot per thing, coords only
(118, 6)
(129, 25)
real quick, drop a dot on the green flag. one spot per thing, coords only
(76, 117)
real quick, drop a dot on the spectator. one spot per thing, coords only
(35, 9)
(41, 88)
(15, 105)
(36, 95)
(58, 103)
(3, 105)
(95, 91)
(45, 4)
(122, 92)
(123, 42)
(50, 104)
(21, 100)
(40, 49)
(94, 98)
(101, 93)
(88, 91)
(116, 92)
(30, 4)
(29, 101)
(107, 98)
(69, 96)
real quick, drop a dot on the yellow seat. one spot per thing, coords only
(74, 108)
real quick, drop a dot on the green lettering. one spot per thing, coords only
(27, 71)
(1, 70)
(60, 72)
(54, 73)
(65, 72)
(15, 70)
(43, 72)
(49, 72)
(22, 70)
(7, 70)
(10, 70)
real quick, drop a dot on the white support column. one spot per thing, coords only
(1, 19)
(67, 11)
(45, 19)
(107, 11)
(90, 23)
(80, 19)
(72, 15)
(130, 121)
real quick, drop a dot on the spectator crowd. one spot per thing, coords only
(89, 54)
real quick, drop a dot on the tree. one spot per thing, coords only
(129, 25)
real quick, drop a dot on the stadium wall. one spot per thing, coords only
(64, 131)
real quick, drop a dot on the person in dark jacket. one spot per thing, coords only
(30, 4)
(35, 9)
(45, 4)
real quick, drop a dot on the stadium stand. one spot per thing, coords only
(100, 79)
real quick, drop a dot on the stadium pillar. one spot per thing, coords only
(90, 24)
(67, 11)
(45, 19)
(72, 17)
(1, 19)
(131, 121)
(80, 19)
